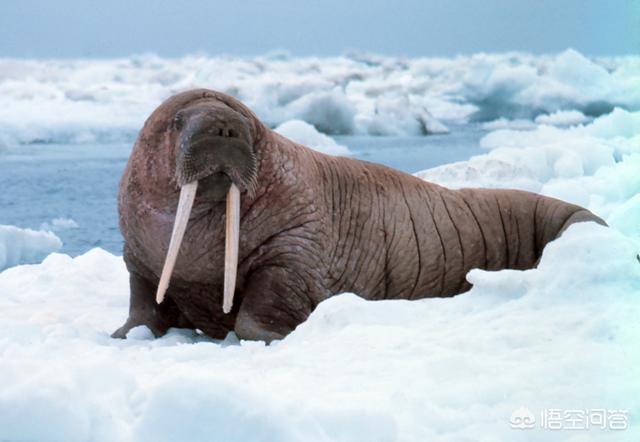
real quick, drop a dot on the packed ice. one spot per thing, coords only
(25, 246)
(57, 224)
(558, 339)
(87, 100)
(562, 118)
(306, 134)
(594, 165)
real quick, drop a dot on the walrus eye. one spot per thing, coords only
(178, 122)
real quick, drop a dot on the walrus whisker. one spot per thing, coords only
(187, 195)
(232, 240)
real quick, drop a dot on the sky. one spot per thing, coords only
(85, 28)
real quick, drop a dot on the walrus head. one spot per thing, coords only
(215, 159)
(214, 147)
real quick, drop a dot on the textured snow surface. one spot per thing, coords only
(304, 133)
(25, 246)
(81, 101)
(596, 165)
(562, 336)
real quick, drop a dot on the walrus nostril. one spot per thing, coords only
(221, 132)
(232, 133)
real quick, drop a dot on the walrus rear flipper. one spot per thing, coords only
(581, 216)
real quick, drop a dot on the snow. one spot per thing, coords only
(562, 336)
(304, 133)
(399, 115)
(594, 165)
(504, 123)
(562, 118)
(446, 369)
(330, 112)
(85, 101)
(25, 246)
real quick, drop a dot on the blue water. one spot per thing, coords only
(41, 182)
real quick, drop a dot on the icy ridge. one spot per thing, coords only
(82, 100)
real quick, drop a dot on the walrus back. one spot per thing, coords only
(400, 237)
(493, 229)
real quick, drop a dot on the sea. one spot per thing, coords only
(72, 188)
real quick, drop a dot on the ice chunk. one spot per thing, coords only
(330, 112)
(396, 115)
(562, 118)
(304, 133)
(626, 217)
(524, 86)
(25, 246)
(58, 224)
(504, 123)
(85, 101)
(619, 123)
(595, 165)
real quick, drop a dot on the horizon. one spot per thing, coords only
(283, 54)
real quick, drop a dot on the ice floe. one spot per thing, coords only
(108, 100)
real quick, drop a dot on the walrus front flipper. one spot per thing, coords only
(274, 303)
(143, 310)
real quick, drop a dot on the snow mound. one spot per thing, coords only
(398, 115)
(304, 133)
(505, 123)
(356, 370)
(329, 111)
(525, 86)
(594, 165)
(86, 101)
(562, 118)
(25, 246)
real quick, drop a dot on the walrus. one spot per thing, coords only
(229, 226)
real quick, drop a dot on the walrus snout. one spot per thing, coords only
(214, 147)
(214, 160)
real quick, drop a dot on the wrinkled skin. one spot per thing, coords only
(311, 225)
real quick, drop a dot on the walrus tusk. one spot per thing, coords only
(187, 195)
(232, 239)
